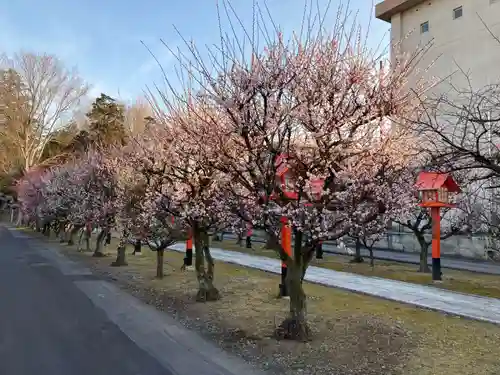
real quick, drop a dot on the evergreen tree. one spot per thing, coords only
(106, 122)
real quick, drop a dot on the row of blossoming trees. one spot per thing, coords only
(208, 161)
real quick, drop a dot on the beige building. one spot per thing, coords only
(460, 40)
(462, 46)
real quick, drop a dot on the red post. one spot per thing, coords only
(436, 244)
(286, 243)
(188, 259)
(249, 236)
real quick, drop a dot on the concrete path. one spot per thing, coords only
(413, 258)
(470, 306)
(455, 263)
(56, 318)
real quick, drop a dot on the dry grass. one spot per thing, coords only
(459, 281)
(353, 334)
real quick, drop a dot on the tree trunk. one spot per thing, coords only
(424, 253)
(372, 259)
(108, 238)
(219, 236)
(319, 250)
(56, 227)
(239, 241)
(120, 257)
(295, 326)
(159, 263)
(206, 289)
(19, 217)
(98, 245)
(137, 247)
(85, 235)
(46, 230)
(269, 243)
(72, 233)
(121, 253)
(59, 231)
(357, 256)
(80, 238)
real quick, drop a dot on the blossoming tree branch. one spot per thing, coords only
(207, 161)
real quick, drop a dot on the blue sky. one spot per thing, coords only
(103, 38)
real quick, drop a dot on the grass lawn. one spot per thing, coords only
(459, 281)
(353, 334)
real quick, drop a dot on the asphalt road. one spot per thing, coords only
(410, 258)
(49, 327)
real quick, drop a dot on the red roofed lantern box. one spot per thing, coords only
(434, 191)
(435, 188)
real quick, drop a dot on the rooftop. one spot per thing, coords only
(387, 8)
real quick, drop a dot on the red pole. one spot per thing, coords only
(286, 243)
(249, 236)
(436, 244)
(188, 258)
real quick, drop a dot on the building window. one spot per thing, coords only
(457, 13)
(424, 27)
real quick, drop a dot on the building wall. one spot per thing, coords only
(457, 43)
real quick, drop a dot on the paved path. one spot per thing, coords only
(56, 318)
(412, 258)
(470, 306)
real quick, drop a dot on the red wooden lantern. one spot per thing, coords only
(434, 191)
(284, 177)
(435, 188)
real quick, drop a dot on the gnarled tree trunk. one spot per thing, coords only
(85, 235)
(72, 233)
(206, 289)
(270, 242)
(358, 258)
(121, 252)
(159, 262)
(99, 243)
(219, 236)
(424, 253)
(137, 248)
(319, 250)
(295, 326)
(19, 217)
(46, 229)
(239, 241)
(59, 227)
(372, 258)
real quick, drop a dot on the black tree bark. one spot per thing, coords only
(206, 289)
(99, 242)
(424, 253)
(295, 326)
(358, 258)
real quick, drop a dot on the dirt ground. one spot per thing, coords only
(353, 334)
(455, 280)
